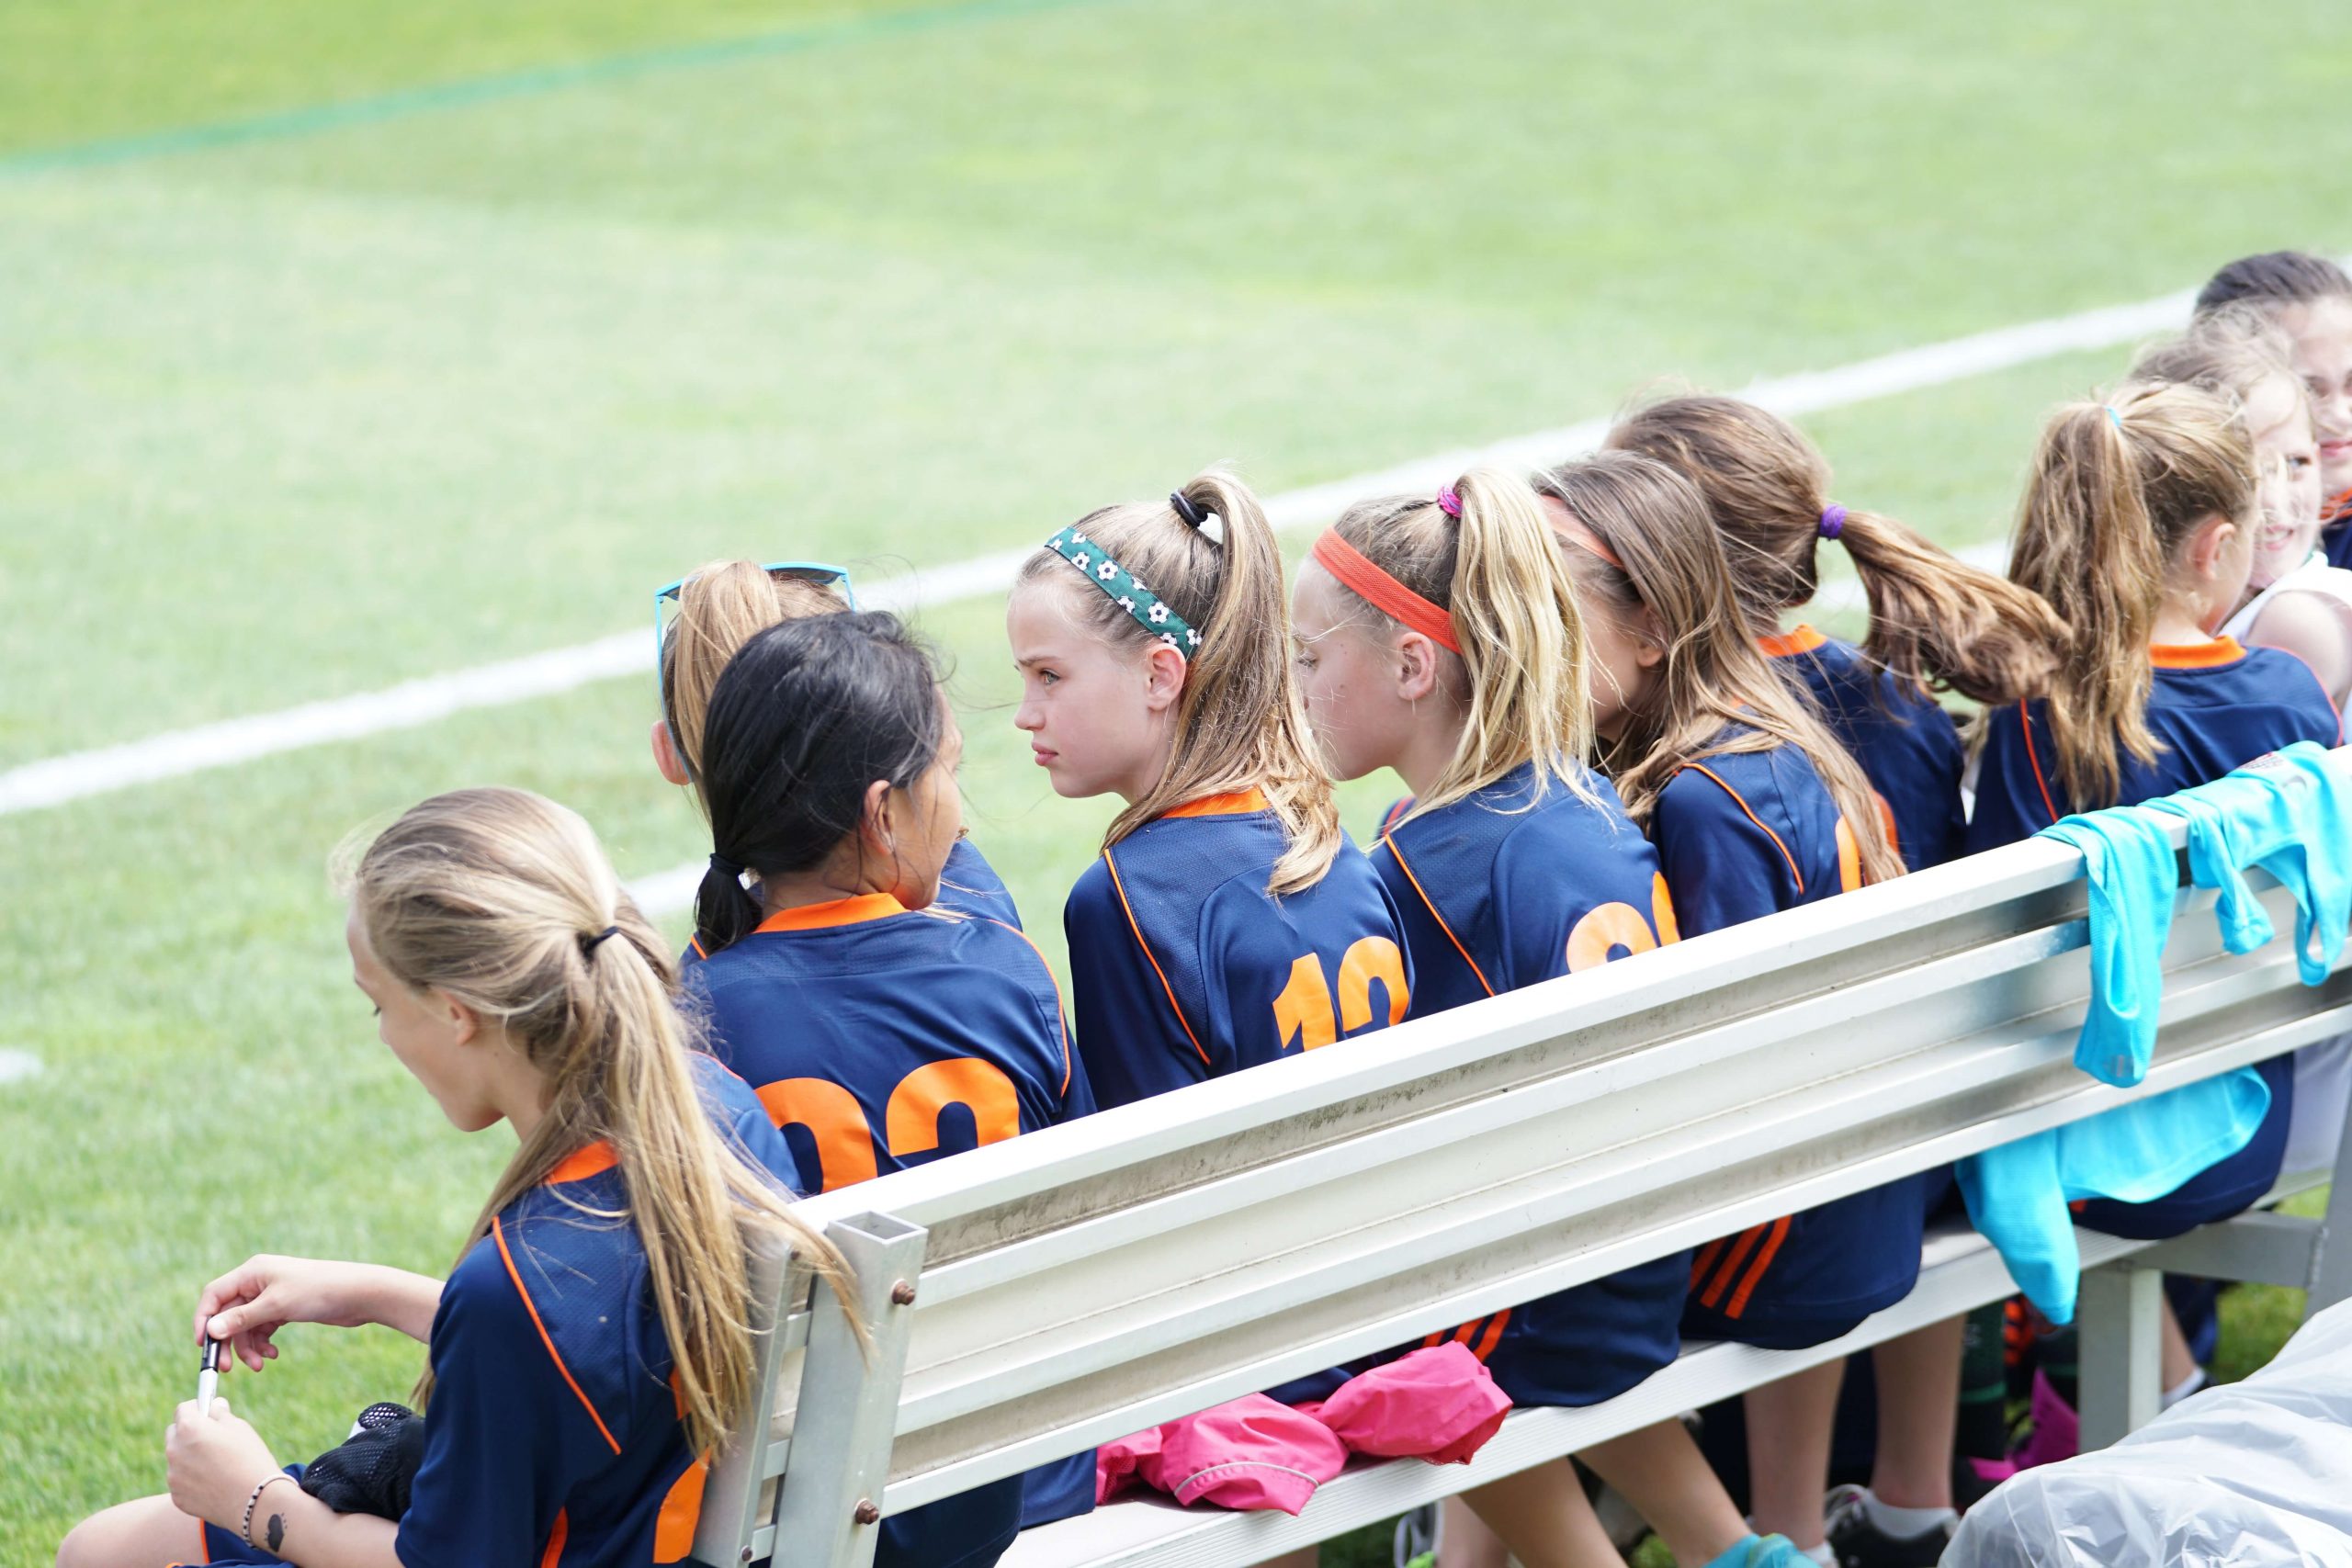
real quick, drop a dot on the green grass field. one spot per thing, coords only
(348, 342)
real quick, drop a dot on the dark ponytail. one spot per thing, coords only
(807, 714)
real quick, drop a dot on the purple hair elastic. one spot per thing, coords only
(1450, 504)
(1833, 521)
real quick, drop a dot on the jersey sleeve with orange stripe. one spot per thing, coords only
(553, 1432)
(2212, 706)
(969, 885)
(1508, 887)
(880, 1038)
(1184, 968)
(1905, 742)
(2335, 537)
(1743, 834)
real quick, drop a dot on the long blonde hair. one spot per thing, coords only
(1497, 574)
(2115, 490)
(1239, 722)
(722, 605)
(1935, 620)
(1716, 693)
(490, 896)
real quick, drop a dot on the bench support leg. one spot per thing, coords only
(2119, 1348)
(2331, 1253)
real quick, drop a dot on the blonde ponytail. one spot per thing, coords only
(721, 606)
(1936, 622)
(2114, 490)
(1239, 723)
(1520, 673)
(500, 898)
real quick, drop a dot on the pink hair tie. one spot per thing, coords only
(1450, 504)
(1833, 521)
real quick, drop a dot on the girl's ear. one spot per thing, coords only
(1416, 666)
(665, 754)
(1649, 641)
(873, 819)
(1163, 678)
(465, 1024)
(2210, 544)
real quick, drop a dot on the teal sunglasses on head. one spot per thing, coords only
(823, 574)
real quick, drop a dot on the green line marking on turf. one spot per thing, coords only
(316, 118)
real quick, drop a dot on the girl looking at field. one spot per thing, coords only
(1440, 637)
(2310, 298)
(1754, 807)
(1936, 623)
(880, 1029)
(516, 982)
(2138, 525)
(2293, 601)
(720, 606)
(1229, 920)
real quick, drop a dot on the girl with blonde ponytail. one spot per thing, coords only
(1440, 637)
(1936, 622)
(591, 1347)
(1755, 808)
(1229, 920)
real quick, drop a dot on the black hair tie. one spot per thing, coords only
(588, 944)
(1187, 509)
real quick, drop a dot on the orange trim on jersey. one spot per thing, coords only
(695, 941)
(1804, 639)
(1238, 803)
(2034, 761)
(556, 1538)
(1702, 767)
(581, 1164)
(1395, 814)
(1060, 1002)
(1755, 1274)
(2338, 508)
(833, 912)
(1494, 1334)
(498, 1233)
(1431, 904)
(1120, 888)
(673, 1526)
(2212, 655)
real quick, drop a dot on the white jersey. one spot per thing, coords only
(2314, 576)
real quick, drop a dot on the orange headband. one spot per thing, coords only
(1383, 593)
(1576, 533)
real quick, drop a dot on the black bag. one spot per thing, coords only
(371, 1471)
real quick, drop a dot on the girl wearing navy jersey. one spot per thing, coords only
(1937, 624)
(880, 1029)
(2138, 527)
(1229, 920)
(1754, 808)
(721, 607)
(1440, 637)
(588, 1353)
(2310, 298)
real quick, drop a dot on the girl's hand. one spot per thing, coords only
(212, 1461)
(249, 1304)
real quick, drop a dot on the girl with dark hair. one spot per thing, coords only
(880, 1030)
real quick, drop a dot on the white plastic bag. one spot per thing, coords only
(2251, 1474)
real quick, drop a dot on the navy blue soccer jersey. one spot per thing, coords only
(1504, 888)
(1905, 742)
(880, 1037)
(1742, 835)
(1185, 968)
(2212, 706)
(969, 885)
(2335, 535)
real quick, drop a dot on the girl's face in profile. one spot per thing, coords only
(1100, 716)
(2322, 330)
(2286, 452)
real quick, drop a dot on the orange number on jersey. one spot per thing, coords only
(1305, 1009)
(1603, 931)
(912, 1118)
(1662, 910)
(844, 1144)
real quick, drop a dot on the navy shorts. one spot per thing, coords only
(1793, 1283)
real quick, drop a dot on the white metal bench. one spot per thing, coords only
(1037, 1297)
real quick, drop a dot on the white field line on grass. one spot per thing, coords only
(76, 775)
